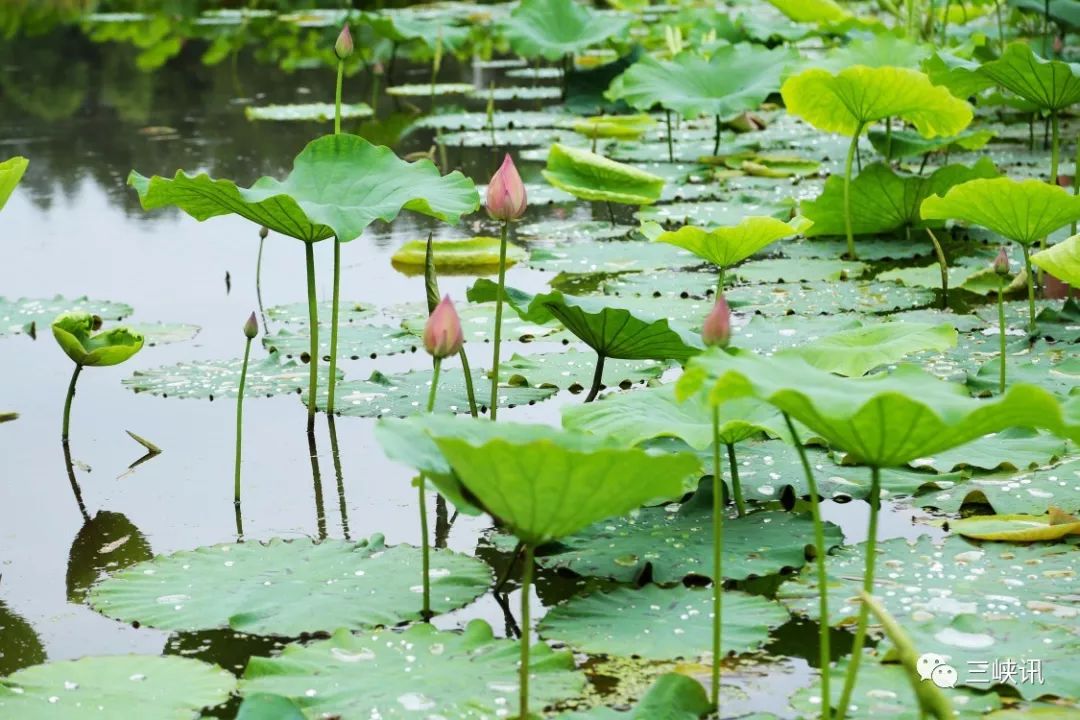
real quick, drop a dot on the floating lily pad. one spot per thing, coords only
(307, 112)
(1025, 492)
(590, 176)
(859, 350)
(658, 623)
(478, 323)
(613, 256)
(427, 89)
(1056, 369)
(1012, 449)
(769, 334)
(573, 370)
(114, 688)
(503, 120)
(814, 298)
(672, 697)
(710, 213)
(1015, 528)
(459, 255)
(783, 270)
(297, 313)
(209, 379)
(527, 92)
(287, 587)
(164, 333)
(870, 249)
(568, 231)
(412, 674)
(16, 316)
(354, 341)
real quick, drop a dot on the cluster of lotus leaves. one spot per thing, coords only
(74, 331)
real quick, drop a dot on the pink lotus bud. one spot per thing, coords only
(717, 328)
(442, 334)
(1001, 262)
(251, 327)
(506, 193)
(343, 48)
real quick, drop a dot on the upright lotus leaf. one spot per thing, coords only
(730, 245)
(859, 350)
(552, 29)
(882, 420)
(1052, 85)
(338, 186)
(74, 332)
(11, 171)
(1061, 260)
(736, 78)
(883, 200)
(589, 176)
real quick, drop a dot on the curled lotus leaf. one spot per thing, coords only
(589, 176)
(1061, 260)
(730, 245)
(74, 332)
(11, 171)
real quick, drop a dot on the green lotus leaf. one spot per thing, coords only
(552, 29)
(155, 334)
(611, 331)
(673, 697)
(656, 413)
(545, 484)
(1029, 492)
(24, 314)
(403, 25)
(859, 350)
(736, 78)
(609, 257)
(883, 200)
(478, 323)
(454, 256)
(73, 331)
(792, 270)
(623, 127)
(878, 50)
(812, 11)
(904, 143)
(307, 112)
(427, 89)
(349, 311)
(727, 246)
(1051, 367)
(354, 341)
(573, 370)
(925, 415)
(589, 176)
(846, 101)
(1021, 210)
(1061, 260)
(1052, 85)
(416, 674)
(116, 687)
(287, 587)
(338, 186)
(1013, 449)
(261, 706)
(715, 212)
(1014, 528)
(11, 172)
(658, 623)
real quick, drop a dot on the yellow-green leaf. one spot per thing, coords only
(1061, 260)
(726, 246)
(1014, 528)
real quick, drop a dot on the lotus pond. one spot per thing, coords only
(539, 360)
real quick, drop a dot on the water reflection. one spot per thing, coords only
(105, 543)
(20, 646)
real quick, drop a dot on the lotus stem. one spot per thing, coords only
(610, 212)
(331, 386)
(469, 390)
(720, 282)
(716, 138)
(847, 193)
(239, 517)
(337, 96)
(944, 265)
(526, 585)
(824, 652)
(374, 92)
(75, 489)
(498, 323)
(342, 505)
(1076, 177)
(718, 559)
(868, 587)
(1055, 151)
(1001, 329)
(240, 422)
(597, 379)
(736, 487)
(945, 26)
(67, 402)
(1000, 27)
(670, 148)
(258, 284)
(313, 328)
(911, 18)
(316, 480)
(1046, 30)
(1031, 288)
(888, 139)
(425, 549)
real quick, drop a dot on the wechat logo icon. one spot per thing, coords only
(933, 667)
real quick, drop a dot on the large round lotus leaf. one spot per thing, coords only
(287, 587)
(785, 270)
(420, 673)
(1020, 210)
(589, 176)
(612, 256)
(661, 623)
(1061, 260)
(727, 246)
(668, 543)
(769, 334)
(1012, 449)
(209, 379)
(614, 126)
(814, 298)
(925, 415)
(1050, 84)
(307, 112)
(11, 171)
(859, 350)
(338, 186)
(812, 11)
(736, 78)
(117, 687)
(883, 200)
(573, 370)
(354, 341)
(18, 316)
(1026, 492)
(672, 697)
(552, 29)
(426, 89)
(297, 313)
(478, 324)
(456, 255)
(1016, 528)
(72, 331)
(1054, 368)
(555, 231)
(713, 212)
(846, 101)
(22, 646)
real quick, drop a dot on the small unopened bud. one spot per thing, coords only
(506, 193)
(263, 232)
(1001, 262)
(443, 336)
(251, 327)
(95, 323)
(717, 328)
(343, 48)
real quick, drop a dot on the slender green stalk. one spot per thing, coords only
(718, 558)
(434, 385)
(334, 307)
(1001, 329)
(670, 148)
(847, 193)
(425, 548)
(720, 282)
(498, 323)
(1031, 288)
(911, 22)
(944, 265)
(945, 24)
(1055, 150)
(375, 77)
(343, 509)
(868, 587)
(67, 402)
(240, 420)
(523, 671)
(824, 652)
(597, 379)
(258, 284)
(1076, 177)
(736, 486)
(888, 139)
(469, 390)
(611, 213)
(716, 138)
(1046, 29)
(337, 96)
(313, 328)
(1000, 27)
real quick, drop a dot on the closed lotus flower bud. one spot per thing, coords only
(251, 327)
(343, 48)
(506, 193)
(1001, 262)
(263, 232)
(442, 334)
(717, 328)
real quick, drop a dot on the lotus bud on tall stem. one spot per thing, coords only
(343, 48)
(506, 201)
(716, 330)
(1001, 269)
(718, 561)
(251, 329)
